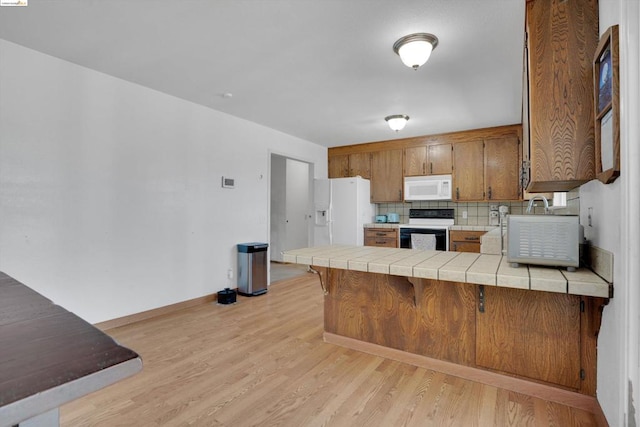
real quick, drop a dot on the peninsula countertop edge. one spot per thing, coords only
(464, 267)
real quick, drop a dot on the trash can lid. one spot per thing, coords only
(252, 247)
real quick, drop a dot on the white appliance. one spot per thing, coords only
(342, 207)
(433, 222)
(431, 187)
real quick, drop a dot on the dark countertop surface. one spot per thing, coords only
(44, 346)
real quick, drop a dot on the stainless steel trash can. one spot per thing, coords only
(252, 268)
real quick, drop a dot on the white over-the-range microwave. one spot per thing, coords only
(430, 187)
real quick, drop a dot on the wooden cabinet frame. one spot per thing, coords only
(339, 155)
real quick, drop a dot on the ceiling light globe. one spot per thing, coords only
(415, 54)
(397, 122)
(415, 49)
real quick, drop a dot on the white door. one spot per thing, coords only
(297, 205)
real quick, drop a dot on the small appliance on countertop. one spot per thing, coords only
(393, 218)
(494, 215)
(381, 218)
(550, 240)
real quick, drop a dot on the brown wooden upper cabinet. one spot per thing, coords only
(485, 163)
(386, 176)
(487, 170)
(468, 171)
(347, 165)
(428, 160)
(562, 37)
(502, 168)
(339, 166)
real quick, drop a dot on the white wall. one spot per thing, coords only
(615, 216)
(110, 194)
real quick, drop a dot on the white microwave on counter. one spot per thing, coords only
(430, 187)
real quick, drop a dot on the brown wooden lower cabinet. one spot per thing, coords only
(465, 241)
(383, 237)
(541, 336)
(530, 334)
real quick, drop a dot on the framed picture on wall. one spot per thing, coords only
(606, 66)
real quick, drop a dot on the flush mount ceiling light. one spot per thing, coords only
(415, 49)
(397, 121)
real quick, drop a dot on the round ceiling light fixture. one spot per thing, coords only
(397, 121)
(415, 49)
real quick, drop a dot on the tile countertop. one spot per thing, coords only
(482, 269)
(453, 227)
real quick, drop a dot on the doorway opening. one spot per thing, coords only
(291, 198)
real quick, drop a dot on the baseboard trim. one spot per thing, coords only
(144, 315)
(542, 391)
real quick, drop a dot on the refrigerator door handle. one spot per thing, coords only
(330, 222)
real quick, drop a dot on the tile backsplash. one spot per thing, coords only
(477, 213)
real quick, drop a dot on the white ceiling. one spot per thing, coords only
(322, 70)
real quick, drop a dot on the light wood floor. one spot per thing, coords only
(263, 362)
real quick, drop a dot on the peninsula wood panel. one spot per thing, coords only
(590, 323)
(531, 334)
(436, 321)
(562, 40)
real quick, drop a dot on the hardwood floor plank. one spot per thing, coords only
(263, 362)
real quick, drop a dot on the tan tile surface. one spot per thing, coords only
(585, 282)
(483, 270)
(451, 266)
(429, 268)
(405, 266)
(512, 277)
(547, 279)
(456, 269)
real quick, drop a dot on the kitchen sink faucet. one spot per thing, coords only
(533, 199)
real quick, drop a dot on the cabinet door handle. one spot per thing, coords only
(457, 193)
(431, 168)
(455, 247)
(481, 298)
(399, 194)
(489, 192)
(471, 238)
(424, 167)
(381, 234)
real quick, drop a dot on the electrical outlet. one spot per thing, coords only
(230, 273)
(464, 214)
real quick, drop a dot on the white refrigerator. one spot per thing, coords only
(342, 206)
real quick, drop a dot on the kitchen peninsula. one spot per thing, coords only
(471, 315)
